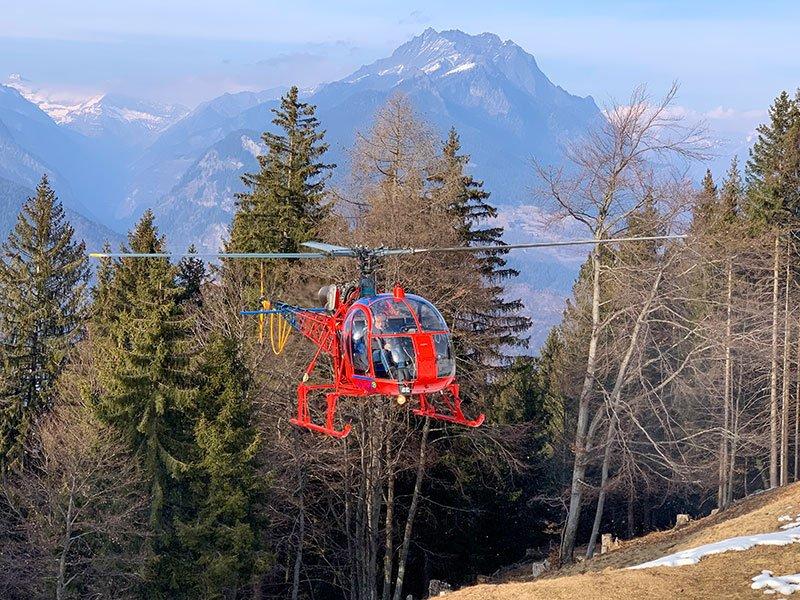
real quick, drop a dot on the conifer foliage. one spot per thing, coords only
(223, 535)
(191, 276)
(773, 171)
(283, 205)
(43, 278)
(498, 325)
(141, 342)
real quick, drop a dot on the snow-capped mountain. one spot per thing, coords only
(32, 144)
(505, 109)
(128, 121)
(132, 121)
(438, 55)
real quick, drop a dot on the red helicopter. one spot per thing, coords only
(381, 344)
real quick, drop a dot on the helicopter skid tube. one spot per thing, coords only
(452, 402)
(304, 413)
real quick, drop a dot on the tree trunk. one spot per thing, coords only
(581, 457)
(722, 497)
(388, 553)
(797, 412)
(301, 533)
(773, 386)
(412, 511)
(734, 446)
(631, 511)
(787, 336)
(62, 561)
(601, 496)
(375, 502)
(613, 402)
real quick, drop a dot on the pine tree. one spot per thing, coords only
(190, 278)
(647, 222)
(141, 346)
(498, 326)
(223, 538)
(284, 204)
(773, 171)
(43, 279)
(732, 193)
(705, 204)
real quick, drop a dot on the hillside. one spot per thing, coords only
(723, 575)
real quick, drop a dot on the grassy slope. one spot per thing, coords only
(721, 576)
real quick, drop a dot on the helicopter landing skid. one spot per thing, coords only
(452, 402)
(304, 413)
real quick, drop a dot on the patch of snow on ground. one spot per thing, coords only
(392, 71)
(737, 544)
(790, 521)
(788, 584)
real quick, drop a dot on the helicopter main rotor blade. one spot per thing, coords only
(503, 247)
(330, 249)
(235, 255)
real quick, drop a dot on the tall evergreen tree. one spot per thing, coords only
(43, 278)
(284, 202)
(223, 536)
(142, 351)
(773, 171)
(499, 325)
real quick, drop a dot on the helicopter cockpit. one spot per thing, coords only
(400, 338)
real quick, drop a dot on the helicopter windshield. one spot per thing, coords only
(430, 319)
(445, 357)
(357, 331)
(392, 316)
(393, 357)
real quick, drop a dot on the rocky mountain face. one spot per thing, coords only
(505, 109)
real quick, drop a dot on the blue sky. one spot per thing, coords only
(730, 57)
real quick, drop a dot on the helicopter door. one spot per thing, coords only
(356, 334)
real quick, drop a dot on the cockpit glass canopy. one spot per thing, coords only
(391, 316)
(387, 348)
(430, 319)
(393, 357)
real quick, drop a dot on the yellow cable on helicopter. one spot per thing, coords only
(278, 335)
(283, 330)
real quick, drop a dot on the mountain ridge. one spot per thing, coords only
(505, 109)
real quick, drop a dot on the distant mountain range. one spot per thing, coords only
(506, 110)
(122, 120)
(111, 157)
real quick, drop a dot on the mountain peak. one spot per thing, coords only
(448, 54)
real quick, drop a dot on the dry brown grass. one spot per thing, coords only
(721, 576)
